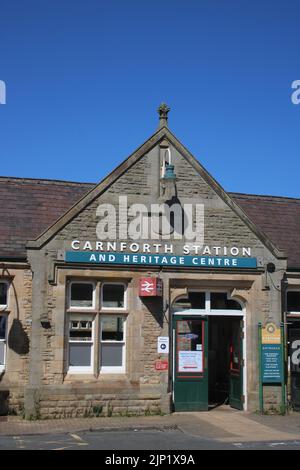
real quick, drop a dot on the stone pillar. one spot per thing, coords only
(37, 260)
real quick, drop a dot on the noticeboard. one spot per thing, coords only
(272, 363)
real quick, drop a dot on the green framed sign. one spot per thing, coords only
(95, 257)
(271, 355)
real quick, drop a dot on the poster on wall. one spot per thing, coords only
(190, 361)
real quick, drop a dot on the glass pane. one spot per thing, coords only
(111, 355)
(219, 301)
(3, 293)
(293, 301)
(2, 326)
(113, 296)
(81, 295)
(189, 335)
(80, 328)
(112, 328)
(194, 300)
(80, 354)
(189, 346)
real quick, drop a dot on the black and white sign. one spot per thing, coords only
(163, 344)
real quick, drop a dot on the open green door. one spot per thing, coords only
(190, 335)
(236, 398)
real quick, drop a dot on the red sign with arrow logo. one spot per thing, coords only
(150, 287)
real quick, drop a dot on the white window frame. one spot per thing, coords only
(79, 309)
(4, 306)
(2, 366)
(81, 369)
(113, 309)
(292, 312)
(114, 369)
(208, 310)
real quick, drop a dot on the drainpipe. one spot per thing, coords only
(284, 284)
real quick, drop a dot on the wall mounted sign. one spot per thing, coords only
(272, 363)
(163, 344)
(270, 334)
(159, 260)
(150, 287)
(161, 364)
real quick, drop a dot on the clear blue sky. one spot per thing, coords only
(85, 77)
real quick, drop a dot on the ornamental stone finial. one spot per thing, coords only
(163, 110)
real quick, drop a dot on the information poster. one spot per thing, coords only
(271, 363)
(190, 361)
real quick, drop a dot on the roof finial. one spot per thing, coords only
(163, 110)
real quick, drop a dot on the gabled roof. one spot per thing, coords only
(161, 134)
(36, 209)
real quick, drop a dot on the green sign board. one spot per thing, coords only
(272, 363)
(159, 260)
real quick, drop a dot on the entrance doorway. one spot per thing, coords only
(225, 361)
(208, 363)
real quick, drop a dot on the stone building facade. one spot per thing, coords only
(80, 336)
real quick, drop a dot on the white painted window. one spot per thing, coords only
(112, 350)
(81, 342)
(207, 303)
(113, 296)
(3, 335)
(81, 295)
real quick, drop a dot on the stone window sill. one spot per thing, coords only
(93, 378)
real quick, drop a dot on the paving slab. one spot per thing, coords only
(233, 425)
(222, 424)
(17, 426)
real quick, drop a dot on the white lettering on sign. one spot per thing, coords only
(160, 248)
(75, 245)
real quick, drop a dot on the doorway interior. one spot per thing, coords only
(209, 368)
(223, 358)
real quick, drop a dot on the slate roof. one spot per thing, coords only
(279, 218)
(29, 206)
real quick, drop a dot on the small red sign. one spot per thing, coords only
(162, 364)
(150, 287)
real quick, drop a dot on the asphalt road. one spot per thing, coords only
(167, 440)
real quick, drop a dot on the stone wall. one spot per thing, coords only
(223, 227)
(16, 374)
(145, 389)
(70, 403)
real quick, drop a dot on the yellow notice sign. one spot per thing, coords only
(271, 334)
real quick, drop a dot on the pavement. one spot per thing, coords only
(221, 424)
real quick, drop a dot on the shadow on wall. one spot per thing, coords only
(4, 394)
(18, 339)
(155, 307)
